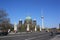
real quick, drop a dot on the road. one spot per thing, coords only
(57, 37)
(27, 36)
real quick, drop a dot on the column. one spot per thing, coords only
(15, 27)
(27, 27)
(35, 29)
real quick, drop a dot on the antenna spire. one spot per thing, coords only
(42, 17)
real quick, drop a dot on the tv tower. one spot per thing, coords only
(42, 17)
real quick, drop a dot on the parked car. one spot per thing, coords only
(3, 31)
(52, 31)
(58, 31)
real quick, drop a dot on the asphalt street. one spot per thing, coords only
(57, 37)
(28, 36)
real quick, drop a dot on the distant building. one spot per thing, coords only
(38, 27)
(34, 24)
(19, 24)
(20, 21)
(28, 25)
(59, 26)
(28, 20)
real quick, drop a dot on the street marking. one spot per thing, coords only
(10, 36)
(34, 37)
(56, 38)
(20, 35)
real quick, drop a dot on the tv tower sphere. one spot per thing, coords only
(42, 17)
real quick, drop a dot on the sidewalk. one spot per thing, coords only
(57, 37)
(17, 32)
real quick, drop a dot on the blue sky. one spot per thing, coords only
(20, 9)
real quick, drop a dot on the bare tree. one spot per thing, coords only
(4, 20)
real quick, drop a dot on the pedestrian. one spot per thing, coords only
(8, 30)
(51, 33)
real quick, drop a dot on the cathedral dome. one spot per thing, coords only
(28, 18)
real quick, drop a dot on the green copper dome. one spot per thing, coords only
(28, 18)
